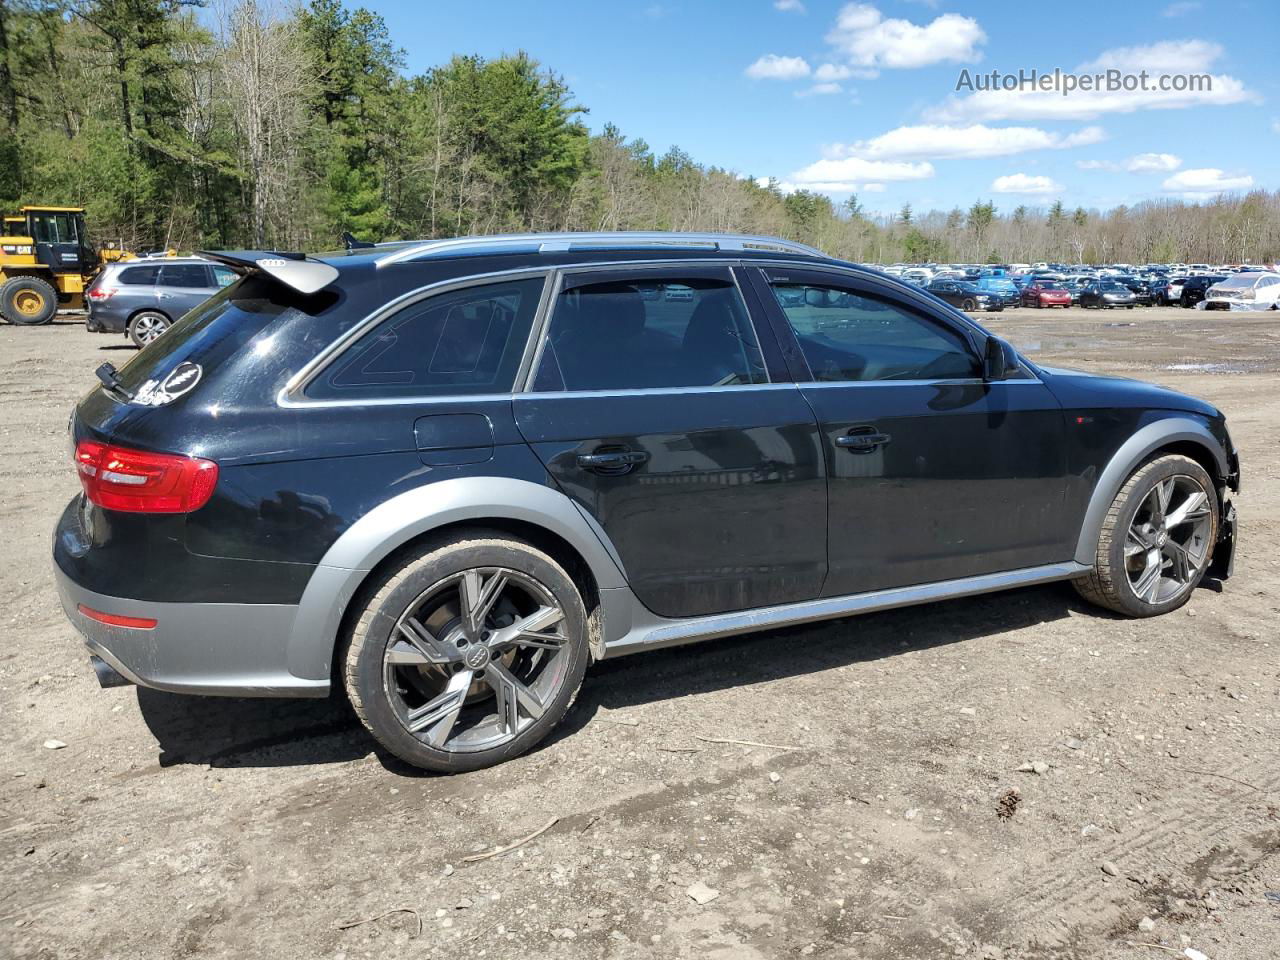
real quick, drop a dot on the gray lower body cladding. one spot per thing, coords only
(230, 649)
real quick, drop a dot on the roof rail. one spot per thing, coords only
(622, 239)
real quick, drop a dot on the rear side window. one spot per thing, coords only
(224, 276)
(140, 276)
(651, 332)
(463, 342)
(184, 275)
(846, 336)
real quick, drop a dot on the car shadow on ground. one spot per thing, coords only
(226, 732)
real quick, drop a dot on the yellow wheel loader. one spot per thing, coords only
(46, 263)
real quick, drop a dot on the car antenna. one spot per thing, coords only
(351, 243)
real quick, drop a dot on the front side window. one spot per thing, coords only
(848, 336)
(466, 341)
(54, 228)
(654, 331)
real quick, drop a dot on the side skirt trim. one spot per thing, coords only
(656, 632)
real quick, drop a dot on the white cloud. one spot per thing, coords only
(773, 67)
(867, 39)
(832, 71)
(935, 141)
(820, 89)
(873, 188)
(788, 6)
(1207, 180)
(1181, 8)
(1153, 163)
(1097, 165)
(840, 175)
(1022, 183)
(1167, 57)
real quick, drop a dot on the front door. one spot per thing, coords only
(653, 407)
(934, 473)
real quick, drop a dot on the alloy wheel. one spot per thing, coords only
(476, 658)
(1167, 544)
(149, 327)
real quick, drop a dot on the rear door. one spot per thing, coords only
(657, 407)
(934, 473)
(183, 287)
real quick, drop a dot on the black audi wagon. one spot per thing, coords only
(446, 476)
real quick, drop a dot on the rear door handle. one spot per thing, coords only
(863, 440)
(612, 461)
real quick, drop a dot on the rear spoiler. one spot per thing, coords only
(294, 270)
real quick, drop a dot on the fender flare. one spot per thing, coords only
(1131, 455)
(390, 525)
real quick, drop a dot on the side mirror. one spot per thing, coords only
(995, 361)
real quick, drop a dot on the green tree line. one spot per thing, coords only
(250, 123)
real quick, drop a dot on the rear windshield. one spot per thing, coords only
(221, 326)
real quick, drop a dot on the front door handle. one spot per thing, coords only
(612, 462)
(863, 440)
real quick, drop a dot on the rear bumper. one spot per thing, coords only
(221, 649)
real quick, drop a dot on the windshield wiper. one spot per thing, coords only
(110, 378)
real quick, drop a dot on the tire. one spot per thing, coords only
(391, 669)
(146, 326)
(1131, 539)
(28, 301)
(968, 305)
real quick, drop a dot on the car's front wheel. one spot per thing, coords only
(468, 653)
(1156, 541)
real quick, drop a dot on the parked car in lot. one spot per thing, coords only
(143, 298)
(1245, 291)
(447, 475)
(1045, 293)
(1139, 288)
(1001, 287)
(1194, 288)
(965, 295)
(1166, 291)
(1105, 294)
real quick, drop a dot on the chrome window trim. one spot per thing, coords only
(291, 394)
(657, 391)
(945, 382)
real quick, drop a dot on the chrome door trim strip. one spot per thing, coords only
(659, 632)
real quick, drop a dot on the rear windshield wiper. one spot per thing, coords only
(110, 378)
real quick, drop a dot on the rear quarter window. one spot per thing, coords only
(140, 276)
(465, 341)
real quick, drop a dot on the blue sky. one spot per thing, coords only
(862, 96)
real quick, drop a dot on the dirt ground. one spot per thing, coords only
(174, 827)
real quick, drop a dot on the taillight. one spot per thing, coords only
(117, 478)
(100, 293)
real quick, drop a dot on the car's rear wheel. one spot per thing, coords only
(146, 326)
(28, 301)
(1156, 541)
(468, 653)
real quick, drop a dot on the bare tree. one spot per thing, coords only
(264, 74)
